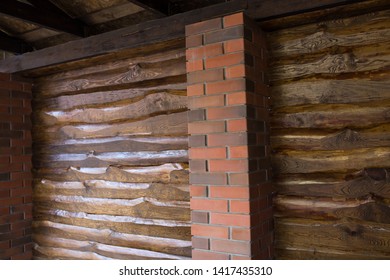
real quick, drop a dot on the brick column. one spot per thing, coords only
(15, 168)
(231, 196)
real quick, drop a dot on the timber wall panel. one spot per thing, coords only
(330, 137)
(110, 159)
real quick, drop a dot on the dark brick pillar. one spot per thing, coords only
(15, 168)
(231, 192)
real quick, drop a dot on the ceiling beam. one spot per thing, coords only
(13, 45)
(34, 15)
(160, 30)
(162, 7)
(46, 5)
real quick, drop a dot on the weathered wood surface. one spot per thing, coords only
(111, 161)
(330, 136)
(341, 239)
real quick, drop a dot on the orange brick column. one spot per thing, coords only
(15, 168)
(231, 196)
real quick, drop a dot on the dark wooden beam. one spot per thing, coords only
(34, 15)
(163, 7)
(46, 5)
(160, 30)
(268, 9)
(13, 45)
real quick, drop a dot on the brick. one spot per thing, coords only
(203, 26)
(200, 191)
(4, 245)
(21, 175)
(245, 178)
(204, 52)
(195, 90)
(5, 228)
(200, 217)
(21, 241)
(241, 234)
(194, 41)
(240, 206)
(205, 76)
(23, 256)
(200, 243)
(198, 165)
(225, 60)
(223, 35)
(206, 101)
(228, 165)
(236, 71)
(5, 77)
(4, 193)
(239, 152)
(232, 20)
(207, 153)
(11, 201)
(209, 231)
(228, 192)
(197, 141)
(196, 115)
(20, 225)
(11, 184)
(239, 220)
(226, 86)
(209, 205)
(11, 85)
(227, 139)
(12, 252)
(231, 246)
(207, 255)
(206, 127)
(194, 65)
(240, 125)
(21, 192)
(227, 113)
(208, 178)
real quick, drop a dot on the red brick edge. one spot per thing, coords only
(230, 173)
(15, 168)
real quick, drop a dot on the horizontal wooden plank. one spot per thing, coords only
(355, 31)
(133, 74)
(375, 57)
(113, 144)
(345, 139)
(106, 97)
(370, 181)
(147, 208)
(166, 173)
(113, 190)
(162, 125)
(156, 228)
(140, 158)
(333, 116)
(108, 251)
(365, 209)
(109, 237)
(152, 104)
(349, 237)
(330, 161)
(331, 91)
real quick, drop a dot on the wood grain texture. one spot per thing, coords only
(111, 160)
(330, 137)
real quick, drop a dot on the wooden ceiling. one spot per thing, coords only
(27, 25)
(30, 25)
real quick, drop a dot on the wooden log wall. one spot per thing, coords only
(110, 158)
(330, 135)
